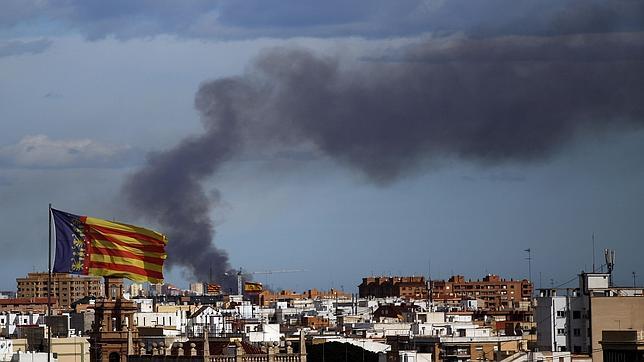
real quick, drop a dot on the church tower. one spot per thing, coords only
(113, 330)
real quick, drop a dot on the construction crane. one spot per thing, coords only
(240, 274)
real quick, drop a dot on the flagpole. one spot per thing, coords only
(49, 293)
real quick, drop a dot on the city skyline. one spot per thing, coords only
(89, 92)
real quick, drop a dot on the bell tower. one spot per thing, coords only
(113, 330)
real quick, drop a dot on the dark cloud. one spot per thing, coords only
(227, 19)
(599, 17)
(5, 181)
(488, 101)
(19, 47)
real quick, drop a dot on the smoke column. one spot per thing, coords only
(487, 100)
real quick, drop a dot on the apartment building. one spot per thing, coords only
(495, 292)
(66, 288)
(575, 321)
(403, 287)
(25, 305)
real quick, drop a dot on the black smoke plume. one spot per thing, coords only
(485, 100)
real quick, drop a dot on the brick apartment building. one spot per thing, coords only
(25, 305)
(266, 297)
(404, 287)
(66, 288)
(495, 292)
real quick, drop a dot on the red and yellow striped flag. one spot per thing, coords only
(253, 287)
(90, 246)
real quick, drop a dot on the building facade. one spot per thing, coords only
(551, 311)
(623, 345)
(578, 319)
(495, 292)
(66, 288)
(404, 287)
(113, 332)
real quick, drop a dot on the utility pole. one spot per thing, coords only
(48, 320)
(593, 251)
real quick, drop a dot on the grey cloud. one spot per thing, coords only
(488, 101)
(226, 19)
(5, 181)
(496, 177)
(19, 47)
(53, 95)
(599, 17)
(40, 151)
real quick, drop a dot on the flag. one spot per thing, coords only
(253, 287)
(212, 288)
(91, 246)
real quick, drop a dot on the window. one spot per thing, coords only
(561, 314)
(561, 331)
(576, 332)
(576, 314)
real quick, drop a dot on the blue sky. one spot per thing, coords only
(89, 88)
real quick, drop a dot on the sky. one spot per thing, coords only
(341, 139)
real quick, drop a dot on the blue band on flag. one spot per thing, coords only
(70, 243)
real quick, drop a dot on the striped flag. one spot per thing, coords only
(253, 287)
(91, 246)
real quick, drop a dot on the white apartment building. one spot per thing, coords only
(9, 321)
(551, 313)
(563, 321)
(211, 319)
(264, 333)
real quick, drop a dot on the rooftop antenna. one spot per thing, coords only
(529, 259)
(634, 285)
(609, 255)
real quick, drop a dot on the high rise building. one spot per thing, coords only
(65, 288)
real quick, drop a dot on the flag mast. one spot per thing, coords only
(49, 293)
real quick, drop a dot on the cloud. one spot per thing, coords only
(39, 151)
(19, 47)
(4, 181)
(53, 95)
(226, 19)
(496, 177)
